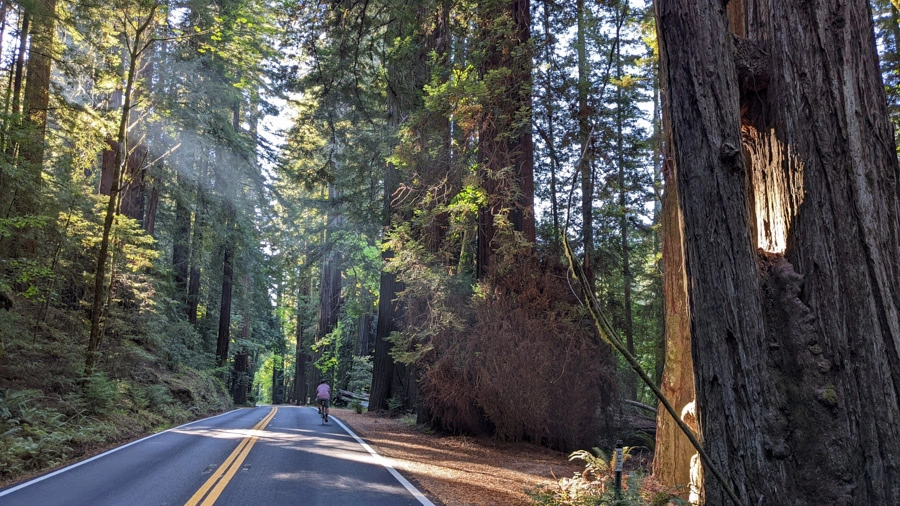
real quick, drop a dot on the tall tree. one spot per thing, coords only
(585, 135)
(505, 148)
(137, 35)
(791, 233)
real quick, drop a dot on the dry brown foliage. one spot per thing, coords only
(522, 363)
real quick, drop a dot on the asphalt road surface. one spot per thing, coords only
(253, 456)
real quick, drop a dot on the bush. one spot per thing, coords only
(360, 375)
(99, 394)
(516, 358)
(594, 486)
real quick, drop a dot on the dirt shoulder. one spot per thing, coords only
(459, 470)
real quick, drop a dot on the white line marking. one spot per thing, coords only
(95, 457)
(387, 465)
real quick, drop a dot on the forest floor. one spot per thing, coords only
(460, 470)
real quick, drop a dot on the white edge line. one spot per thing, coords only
(95, 457)
(387, 465)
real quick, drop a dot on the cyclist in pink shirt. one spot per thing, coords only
(323, 397)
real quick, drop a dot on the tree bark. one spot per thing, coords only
(301, 389)
(137, 47)
(672, 459)
(20, 62)
(181, 239)
(224, 334)
(193, 287)
(506, 150)
(586, 162)
(36, 99)
(796, 345)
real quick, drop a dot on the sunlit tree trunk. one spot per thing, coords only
(791, 241)
(36, 99)
(672, 458)
(138, 43)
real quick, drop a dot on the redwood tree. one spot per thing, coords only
(787, 176)
(505, 148)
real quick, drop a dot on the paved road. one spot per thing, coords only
(252, 456)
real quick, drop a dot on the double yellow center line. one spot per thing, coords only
(219, 479)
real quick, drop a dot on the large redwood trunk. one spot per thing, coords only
(505, 147)
(37, 86)
(796, 345)
(224, 334)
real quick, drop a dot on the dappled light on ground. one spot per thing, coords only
(458, 469)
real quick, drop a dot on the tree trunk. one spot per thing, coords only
(193, 288)
(329, 301)
(301, 390)
(586, 161)
(330, 286)
(797, 346)
(20, 63)
(505, 138)
(241, 377)
(37, 87)
(181, 239)
(137, 46)
(278, 378)
(672, 459)
(224, 335)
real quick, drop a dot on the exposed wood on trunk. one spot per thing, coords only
(804, 335)
(672, 460)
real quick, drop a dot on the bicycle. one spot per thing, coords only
(323, 409)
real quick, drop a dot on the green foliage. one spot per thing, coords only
(360, 375)
(594, 486)
(394, 405)
(99, 394)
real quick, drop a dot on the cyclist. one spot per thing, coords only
(323, 397)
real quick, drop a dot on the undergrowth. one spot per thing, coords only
(595, 486)
(50, 414)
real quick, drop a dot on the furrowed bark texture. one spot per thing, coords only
(796, 344)
(726, 325)
(822, 152)
(506, 149)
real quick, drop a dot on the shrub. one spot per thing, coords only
(99, 394)
(516, 357)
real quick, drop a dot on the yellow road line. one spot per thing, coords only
(229, 468)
